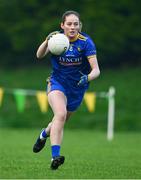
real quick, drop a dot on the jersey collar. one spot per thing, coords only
(75, 38)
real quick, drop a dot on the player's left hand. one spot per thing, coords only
(83, 80)
(51, 34)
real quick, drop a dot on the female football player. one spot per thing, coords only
(72, 72)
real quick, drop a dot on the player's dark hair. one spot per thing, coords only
(67, 13)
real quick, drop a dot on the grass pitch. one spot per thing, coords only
(88, 155)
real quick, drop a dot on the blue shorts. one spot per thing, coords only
(74, 95)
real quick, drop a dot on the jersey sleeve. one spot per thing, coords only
(90, 48)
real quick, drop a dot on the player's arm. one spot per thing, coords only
(42, 50)
(95, 72)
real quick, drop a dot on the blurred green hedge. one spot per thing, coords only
(114, 26)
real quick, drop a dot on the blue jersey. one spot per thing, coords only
(73, 63)
(69, 67)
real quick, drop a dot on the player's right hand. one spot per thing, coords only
(51, 34)
(83, 80)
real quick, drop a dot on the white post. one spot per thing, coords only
(111, 113)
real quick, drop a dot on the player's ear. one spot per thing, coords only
(62, 26)
(80, 25)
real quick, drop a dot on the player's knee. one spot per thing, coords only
(61, 116)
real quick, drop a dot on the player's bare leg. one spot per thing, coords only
(57, 101)
(54, 128)
(48, 128)
(41, 140)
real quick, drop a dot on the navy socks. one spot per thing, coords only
(55, 151)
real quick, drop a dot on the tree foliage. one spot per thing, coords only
(114, 26)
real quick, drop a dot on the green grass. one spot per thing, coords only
(88, 155)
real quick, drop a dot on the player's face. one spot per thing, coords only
(71, 26)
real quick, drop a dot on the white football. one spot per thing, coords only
(58, 44)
